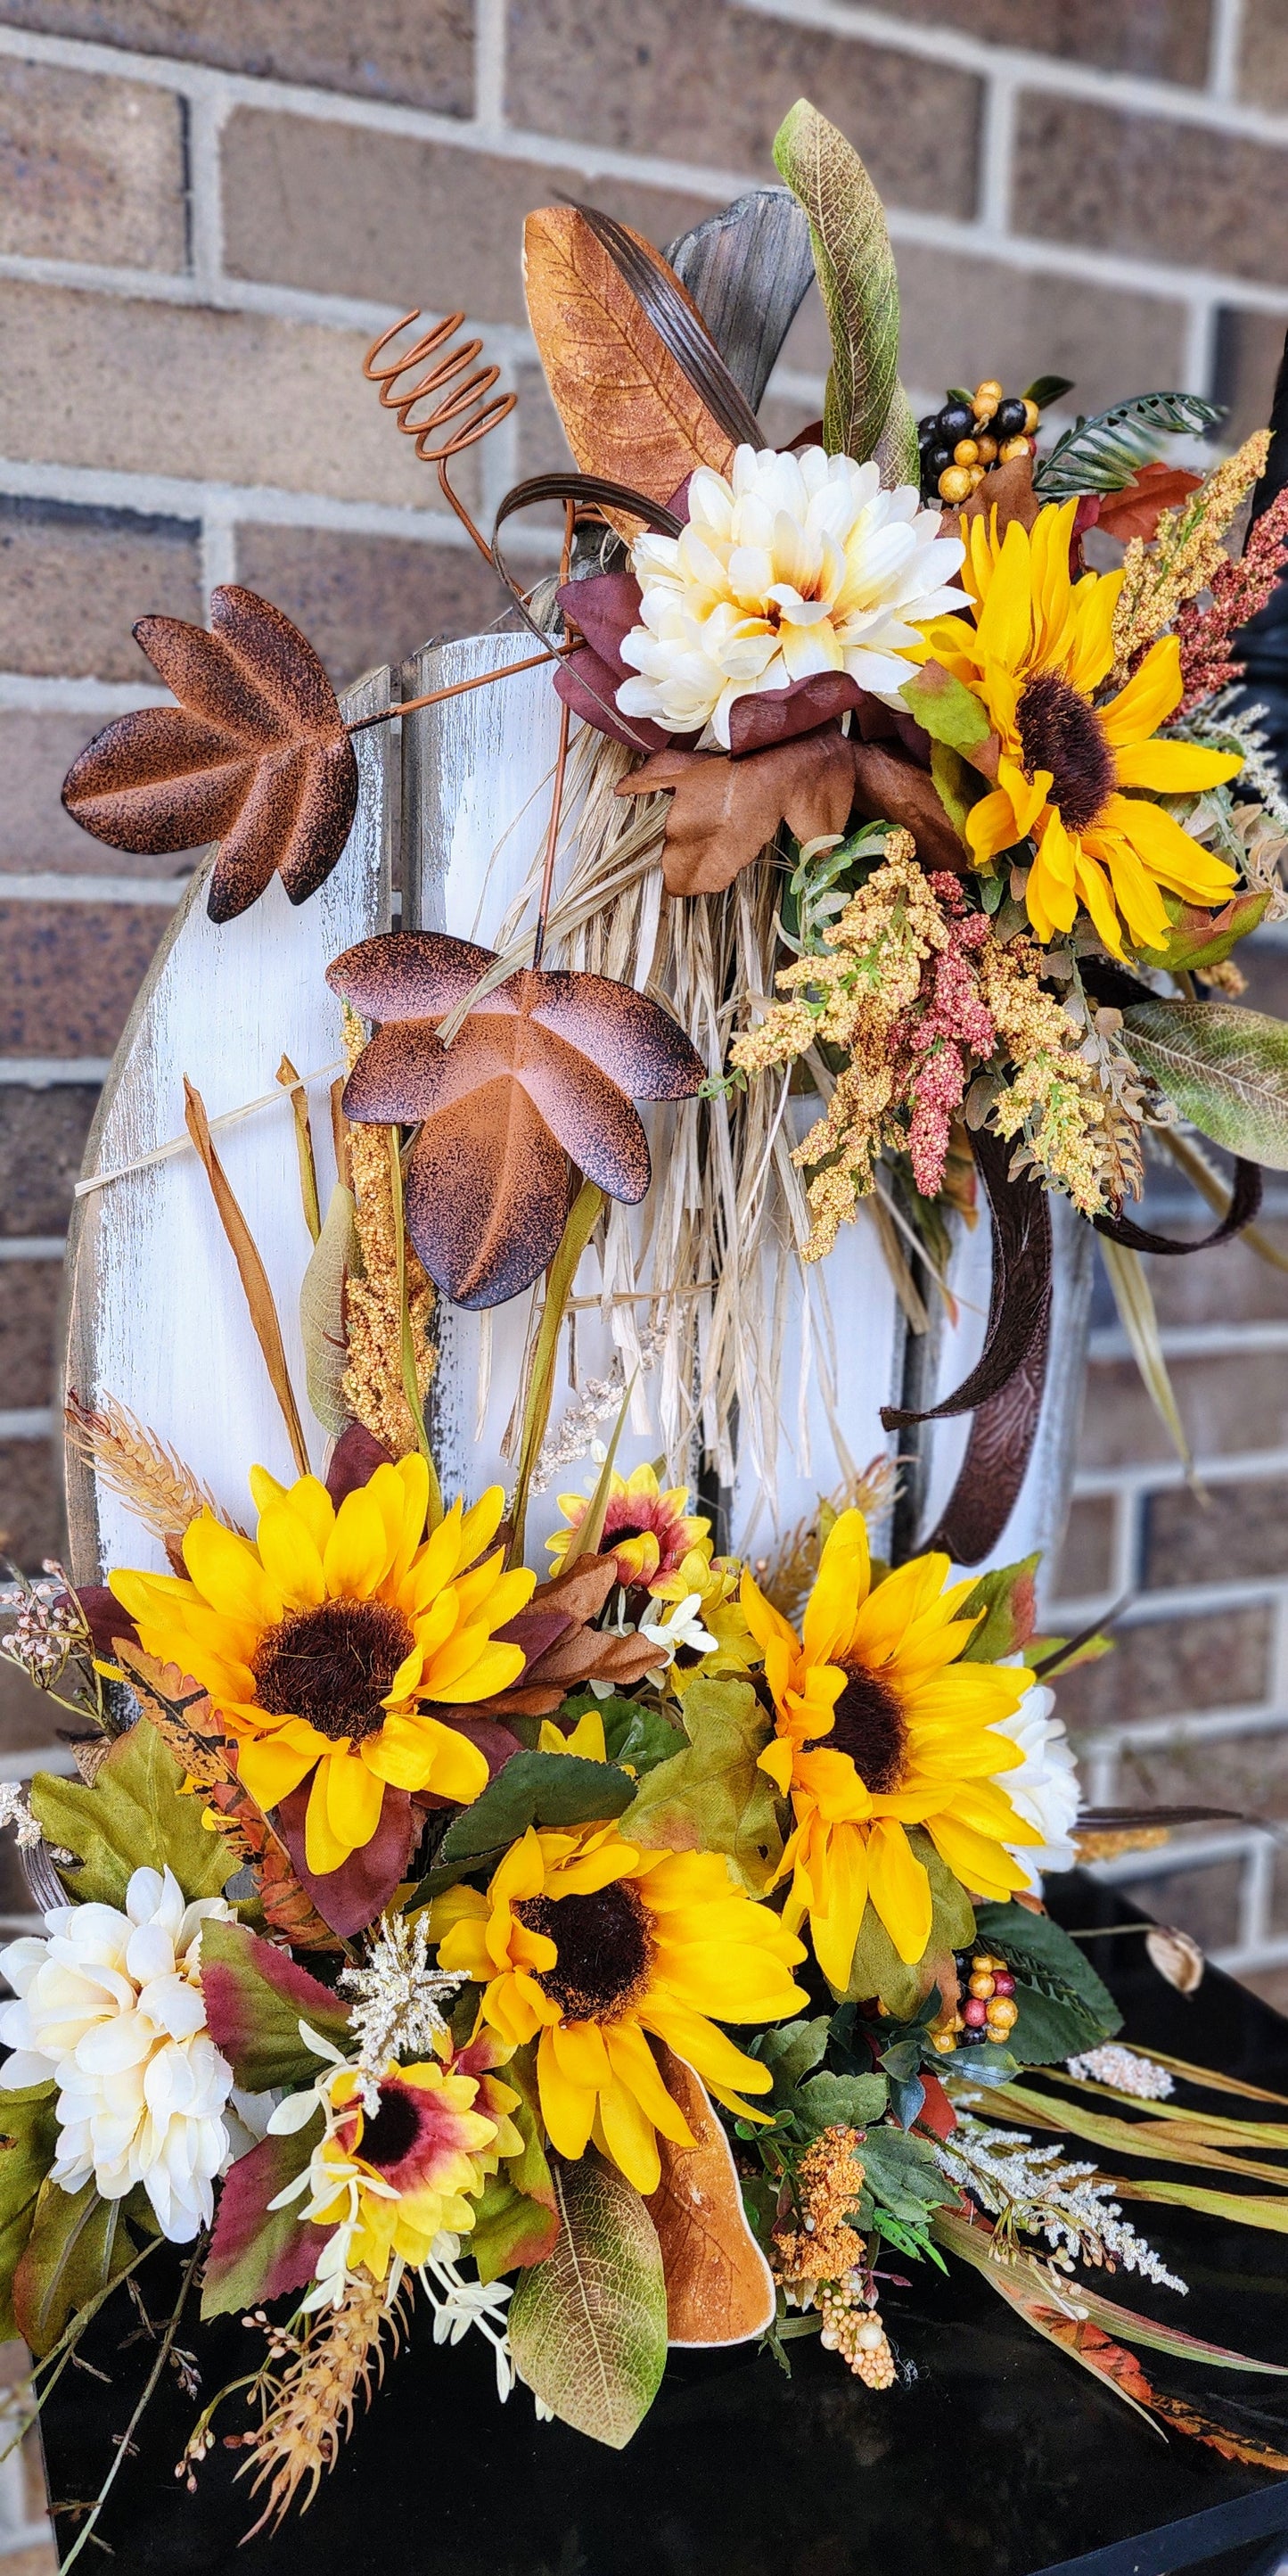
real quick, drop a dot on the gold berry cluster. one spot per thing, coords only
(971, 433)
(987, 2010)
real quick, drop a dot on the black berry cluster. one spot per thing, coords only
(970, 434)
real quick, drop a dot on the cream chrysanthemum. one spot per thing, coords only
(110, 2005)
(800, 564)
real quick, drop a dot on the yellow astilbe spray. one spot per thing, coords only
(1186, 551)
(1052, 1098)
(311, 2415)
(372, 1385)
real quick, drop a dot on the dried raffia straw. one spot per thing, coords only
(299, 1099)
(180, 1144)
(151, 1479)
(250, 1270)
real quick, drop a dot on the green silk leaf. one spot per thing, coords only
(134, 1817)
(860, 290)
(713, 1796)
(1224, 1068)
(588, 2326)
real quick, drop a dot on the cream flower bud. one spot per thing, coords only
(110, 2006)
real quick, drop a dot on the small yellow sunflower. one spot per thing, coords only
(648, 1531)
(390, 2181)
(592, 1942)
(318, 1642)
(1039, 650)
(911, 1740)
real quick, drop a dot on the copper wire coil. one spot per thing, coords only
(469, 401)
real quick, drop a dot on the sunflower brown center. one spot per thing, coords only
(1060, 732)
(333, 1666)
(867, 1723)
(604, 1947)
(393, 2132)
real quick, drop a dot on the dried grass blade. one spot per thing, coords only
(1026, 2290)
(290, 1082)
(582, 1219)
(589, 1531)
(251, 1271)
(1148, 2138)
(1214, 2082)
(1135, 1303)
(1245, 2209)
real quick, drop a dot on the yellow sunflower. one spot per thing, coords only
(911, 1740)
(592, 1942)
(318, 1642)
(650, 1532)
(1039, 650)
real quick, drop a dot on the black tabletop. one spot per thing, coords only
(997, 2457)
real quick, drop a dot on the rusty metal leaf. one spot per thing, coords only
(256, 756)
(538, 1086)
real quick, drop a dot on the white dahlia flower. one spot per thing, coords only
(110, 2006)
(1044, 1786)
(801, 564)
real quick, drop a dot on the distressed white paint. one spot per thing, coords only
(157, 1317)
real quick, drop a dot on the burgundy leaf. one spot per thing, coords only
(255, 756)
(351, 1897)
(258, 2252)
(546, 1067)
(354, 1460)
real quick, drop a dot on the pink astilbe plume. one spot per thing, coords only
(1238, 591)
(953, 1029)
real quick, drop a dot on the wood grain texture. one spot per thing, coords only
(156, 1316)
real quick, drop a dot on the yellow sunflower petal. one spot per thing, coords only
(357, 1550)
(839, 1590)
(567, 2108)
(1094, 891)
(991, 827)
(270, 1768)
(1092, 650)
(289, 1557)
(228, 1573)
(311, 1503)
(1177, 860)
(324, 1849)
(900, 1889)
(479, 1525)
(634, 2065)
(629, 2136)
(844, 1893)
(1148, 698)
(354, 1798)
(1006, 618)
(1174, 768)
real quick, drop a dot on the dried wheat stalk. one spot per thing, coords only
(150, 1478)
(311, 2416)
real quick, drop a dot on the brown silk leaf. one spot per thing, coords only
(1136, 510)
(628, 409)
(723, 811)
(719, 2288)
(1009, 491)
(256, 756)
(544, 1068)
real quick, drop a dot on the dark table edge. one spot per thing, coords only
(1175, 2546)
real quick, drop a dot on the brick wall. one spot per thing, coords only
(207, 208)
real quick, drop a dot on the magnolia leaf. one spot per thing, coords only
(588, 2326)
(134, 1817)
(334, 1259)
(724, 811)
(946, 709)
(719, 2288)
(1007, 1599)
(536, 1789)
(629, 410)
(1198, 939)
(841, 2101)
(257, 2252)
(857, 281)
(713, 1796)
(633, 1734)
(538, 1085)
(256, 756)
(79, 2243)
(256, 1997)
(28, 2145)
(1225, 1069)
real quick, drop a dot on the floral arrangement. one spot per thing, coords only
(650, 1951)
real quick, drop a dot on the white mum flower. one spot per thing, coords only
(801, 564)
(1044, 1786)
(110, 2005)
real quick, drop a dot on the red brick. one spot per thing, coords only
(71, 971)
(90, 168)
(418, 51)
(27, 1718)
(1237, 1536)
(1229, 1284)
(1202, 1902)
(1164, 1667)
(1252, 1771)
(42, 1147)
(713, 85)
(29, 1292)
(1085, 1564)
(1263, 67)
(1189, 195)
(1231, 1403)
(72, 583)
(352, 213)
(1157, 39)
(363, 601)
(31, 1503)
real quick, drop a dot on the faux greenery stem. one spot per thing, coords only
(411, 1387)
(123, 2450)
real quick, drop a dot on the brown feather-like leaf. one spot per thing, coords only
(628, 408)
(719, 2288)
(256, 756)
(723, 811)
(544, 1067)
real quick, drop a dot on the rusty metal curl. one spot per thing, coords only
(464, 394)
